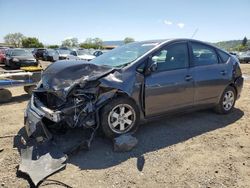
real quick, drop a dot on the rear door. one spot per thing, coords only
(170, 87)
(210, 75)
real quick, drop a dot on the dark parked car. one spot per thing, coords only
(16, 58)
(97, 53)
(134, 82)
(244, 57)
(100, 52)
(38, 53)
(2, 55)
(50, 55)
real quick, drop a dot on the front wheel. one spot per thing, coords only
(227, 101)
(119, 116)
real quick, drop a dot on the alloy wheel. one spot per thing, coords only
(228, 100)
(121, 118)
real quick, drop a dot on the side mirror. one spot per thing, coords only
(151, 68)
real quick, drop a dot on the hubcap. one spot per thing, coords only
(121, 118)
(228, 100)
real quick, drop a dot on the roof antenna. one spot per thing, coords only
(196, 30)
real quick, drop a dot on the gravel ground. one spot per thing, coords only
(200, 149)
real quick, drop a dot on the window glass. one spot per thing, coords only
(172, 57)
(203, 55)
(224, 56)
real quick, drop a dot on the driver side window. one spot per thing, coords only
(172, 57)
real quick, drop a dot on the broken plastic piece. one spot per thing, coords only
(44, 156)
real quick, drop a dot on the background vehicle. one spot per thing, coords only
(38, 53)
(16, 58)
(244, 57)
(82, 54)
(100, 52)
(63, 53)
(50, 55)
(2, 55)
(137, 81)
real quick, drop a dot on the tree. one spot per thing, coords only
(14, 39)
(53, 46)
(95, 43)
(31, 42)
(244, 41)
(98, 42)
(72, 42)
(128, 40)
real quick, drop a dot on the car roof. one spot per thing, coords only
(165, 41)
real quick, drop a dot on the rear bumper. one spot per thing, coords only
(25, 64)
(239, 85)
(62, 57)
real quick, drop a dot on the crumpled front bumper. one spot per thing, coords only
(34, 114)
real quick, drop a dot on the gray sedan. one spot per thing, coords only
(135, 82)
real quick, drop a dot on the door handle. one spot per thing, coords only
(223, 72)
(188, 78)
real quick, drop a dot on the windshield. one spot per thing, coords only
(21, 53)
(64, 52)
(124, 55)
(83, 52)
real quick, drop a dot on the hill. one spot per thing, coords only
(229, 45)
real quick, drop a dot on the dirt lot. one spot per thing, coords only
(201, 149)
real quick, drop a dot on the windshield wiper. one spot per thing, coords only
(123, 65)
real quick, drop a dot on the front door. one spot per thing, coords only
(171, 86)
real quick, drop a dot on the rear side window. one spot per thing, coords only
(224, 56)
(203, 55)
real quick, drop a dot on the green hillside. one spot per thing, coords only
(230, 45)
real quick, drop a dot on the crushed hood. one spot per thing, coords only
(63, 75)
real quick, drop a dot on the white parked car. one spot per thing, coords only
(82, 54)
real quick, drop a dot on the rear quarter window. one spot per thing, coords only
(223, 56)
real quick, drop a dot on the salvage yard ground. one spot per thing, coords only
(200, 149)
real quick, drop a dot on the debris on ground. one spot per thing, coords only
(1, 149)
(40, 161)
(42, 157)
(125, 143)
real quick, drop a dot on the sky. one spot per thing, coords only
(52, 21)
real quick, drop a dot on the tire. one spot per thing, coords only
(6, 64)
(29, 89)
(227, 101)
(13, 66)
(114, 125)
(5, 95)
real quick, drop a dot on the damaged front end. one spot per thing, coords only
(59, 103)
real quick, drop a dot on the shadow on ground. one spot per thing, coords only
(17, 99)
(154, 136)
(151, 136)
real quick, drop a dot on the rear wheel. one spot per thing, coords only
(119, 116)
(227, 101)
